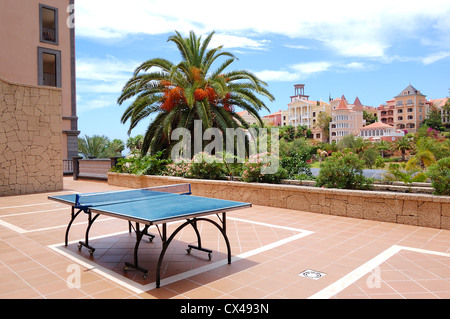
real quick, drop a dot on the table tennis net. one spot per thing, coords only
(109, 198)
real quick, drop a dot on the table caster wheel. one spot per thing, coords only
(189, 250)
(79, 246)
(209, 256)
(91, 252)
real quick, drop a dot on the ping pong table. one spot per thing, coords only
(151, 206)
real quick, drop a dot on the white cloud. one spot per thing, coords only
(298, 46)
(355, 66)
(349, 27)
(302, 71)
(106, 75)
(296, 72)
(435, 57)
(311, 67)
(278, 76)
(100, 81)
(233, 41)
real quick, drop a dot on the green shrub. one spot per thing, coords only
(254, 167)
(343, 170)
(205, 166)
(380, 162)
(179, 169)
(400, 172)
(296, 164)
(142, 165)
(439, 175)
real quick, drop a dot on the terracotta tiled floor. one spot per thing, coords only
(270, 248)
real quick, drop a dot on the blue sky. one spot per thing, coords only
(372, 50)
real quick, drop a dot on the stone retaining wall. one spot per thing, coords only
(412, 209)
(30, 139)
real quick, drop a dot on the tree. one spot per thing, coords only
(287, 133)
(347, 141)
(99, 146)
(403, 144)
(135, 143)
(178, 94)
(323, 121)
(360, 145)
(370, 156)
(383, 146)
(369, 117)
(439, 174)
(116, 146)
(434, 119)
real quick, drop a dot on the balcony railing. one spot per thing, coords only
(97, 168)
(48, 34)
(49, 79)
(67, 167)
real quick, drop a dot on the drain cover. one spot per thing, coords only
(311, 274)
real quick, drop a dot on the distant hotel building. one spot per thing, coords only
(303, 112)
(406, 111)
(249, 118)
(445, 113)
(344, 120)
(379, 131)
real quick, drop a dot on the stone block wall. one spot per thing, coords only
(30, 139)
(411, 209)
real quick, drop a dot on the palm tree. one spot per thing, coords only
(360, 145)
(403, 144)
(135, 143)
(382, 146)
(99, 146)
(424, 153)
(178, 94)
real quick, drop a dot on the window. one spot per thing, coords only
(400, 118)
(410, 110)
(49, 67)
(400, 111)
(48, 24)
(409, 102)
(399, 103)
(410, 117)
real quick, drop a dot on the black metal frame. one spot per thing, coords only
(165, 240)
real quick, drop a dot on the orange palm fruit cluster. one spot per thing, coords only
(226, 105)
(200, 94)
(196, 73)
(211, 94)
(172, 96)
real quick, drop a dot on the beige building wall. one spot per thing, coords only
(305, 112)
(30, 139)
(411, 109)
(345, 121)
(21, 40)
(38, 122)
